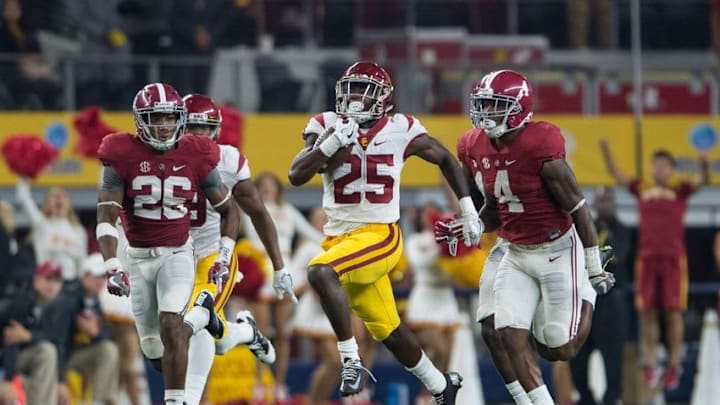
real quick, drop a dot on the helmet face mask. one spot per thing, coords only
(159, 116)
(501, 102)
(364, 92)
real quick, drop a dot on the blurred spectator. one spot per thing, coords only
(661, 273)
(8, 247)
(241, 24)
(56, 231)
(578, 22)
(715, 24)
(335, 19)
(101, 35)
(196, 26)
(88, 347)
(432, 309)
(28, 83)
(286, 21)
(32, 321)
(610, 319)
(147, 25)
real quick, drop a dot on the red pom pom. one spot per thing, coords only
(28, 155)
(92, 130)
(231, 132)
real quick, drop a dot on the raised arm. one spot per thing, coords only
(620, 177)
(22, 193)
(564, 188)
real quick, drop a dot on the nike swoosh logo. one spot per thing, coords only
(176, 168)
(376, 143)
(356, 385)
(509, 162)
(552, 259)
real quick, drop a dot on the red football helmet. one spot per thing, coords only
(500, 102)
(152, 108)
(202, 111)
(364, 92)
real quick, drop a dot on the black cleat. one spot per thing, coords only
(261, 346)
(215, 324)
(447, 397)
(353, 377)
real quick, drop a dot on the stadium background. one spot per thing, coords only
(278, 73)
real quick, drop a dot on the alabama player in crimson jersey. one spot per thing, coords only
(150, 179)
(361, 199)
(531, 195)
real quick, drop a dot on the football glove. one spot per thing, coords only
(345, 133)
(118, 282)
(283, 285)
(472, 227)
(450, 232)
(601, 280)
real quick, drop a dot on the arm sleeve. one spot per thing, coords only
(303, 227)
(212, 183)
(28, 204)
(111, 180)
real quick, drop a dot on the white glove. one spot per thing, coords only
(283, 285)
(345, 133)
(472, 227)
(601, 280)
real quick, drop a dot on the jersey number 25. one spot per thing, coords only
(387, 182)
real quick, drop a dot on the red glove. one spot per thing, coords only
(118, 282)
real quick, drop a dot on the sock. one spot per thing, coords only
(174, 397)
(540, 396)
(518, 393)
(197, 318)
(348, 349)
(237, 334)
(200, 359)
(429, 375)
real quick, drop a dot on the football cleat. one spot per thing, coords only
(353, 377)
(447, 397)
(215, 324)
(260, 346)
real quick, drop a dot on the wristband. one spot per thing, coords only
(592, 261)
(106, 229)
(467, 207)
(112, 264)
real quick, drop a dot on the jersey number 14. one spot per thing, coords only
(503, 193)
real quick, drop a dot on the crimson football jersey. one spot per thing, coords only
(528, 212)
(158, 187)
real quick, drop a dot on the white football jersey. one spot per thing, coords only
(205, 232)
(366, 188)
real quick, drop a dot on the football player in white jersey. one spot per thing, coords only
(362, 201)
(204, 119)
